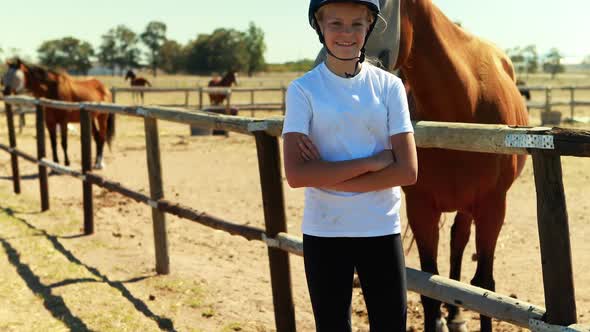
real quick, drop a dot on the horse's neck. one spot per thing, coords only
(436, 61)
(437, 41)
(34, 86)
(226, 80)
(55, 83)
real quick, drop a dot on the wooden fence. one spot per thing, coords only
(548, 104)
(228, 92)
(546, 145)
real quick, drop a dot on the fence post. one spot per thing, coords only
(269, 165)
(186, 99)
(12, 142)
(545, 114)
(43, 183)
(200, 98)
(572, 101)
(252, 103)
(556, 258)
(86, 146)
(113, 95)
(152, 143)
(228, 102)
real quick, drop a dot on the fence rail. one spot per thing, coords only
(227, 91)
(548, 104)
(545, 144)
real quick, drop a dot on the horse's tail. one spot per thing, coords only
(110, 128)
(107, 96)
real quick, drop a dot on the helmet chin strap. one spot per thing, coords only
(360, 60)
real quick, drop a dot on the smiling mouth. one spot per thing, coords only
(345, 44)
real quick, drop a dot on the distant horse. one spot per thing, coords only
(137, 81)
(226, 81)
(455, 77)
(523, 89)
(58, 86)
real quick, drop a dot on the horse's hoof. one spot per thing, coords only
(99, 166)
(458, 326)
(441, 325)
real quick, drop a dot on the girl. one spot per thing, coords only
(348, 139)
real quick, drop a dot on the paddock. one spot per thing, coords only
(152, 112)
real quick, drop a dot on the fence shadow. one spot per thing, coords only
(34, 176)
(55, 304)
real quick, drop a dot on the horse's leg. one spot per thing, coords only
(141, 95)
(63, 128)
(53, 139)
(424, 219)
(489, 217)
(460, 232)
(99, 137)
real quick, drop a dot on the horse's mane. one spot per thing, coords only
(228, 76)
(43, 73)
(51, 78)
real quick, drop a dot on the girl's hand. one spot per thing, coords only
(307, 149)
(381, 160)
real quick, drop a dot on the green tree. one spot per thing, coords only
(302, 65)
(531, 58)
(119, 48)
(68, 53)
(256, 47)
(154, 37)
(107, 54)
(517, 58)
(173, 57)
(524, 59)
(221, 51)
(128, 53)
(552, 63)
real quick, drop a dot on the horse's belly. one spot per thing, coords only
(455, 180)
(74, 117)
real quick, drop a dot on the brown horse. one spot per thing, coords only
(456, 77)
(58, 86)
(230, 78)
(137, 81)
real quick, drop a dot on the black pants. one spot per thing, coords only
(379, 262)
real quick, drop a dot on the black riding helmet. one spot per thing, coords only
(314, 5)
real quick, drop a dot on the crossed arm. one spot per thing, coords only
(389, 168)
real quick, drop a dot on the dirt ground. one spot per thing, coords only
(52, 278)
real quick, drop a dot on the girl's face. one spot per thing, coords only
(344, 26)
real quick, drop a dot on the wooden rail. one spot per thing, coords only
(548, 104)
(252, 106)
(545, 144)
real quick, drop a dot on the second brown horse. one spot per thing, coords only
(230, 78)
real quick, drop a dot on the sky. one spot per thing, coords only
(25, 24)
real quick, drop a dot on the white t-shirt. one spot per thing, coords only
(349, 118)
